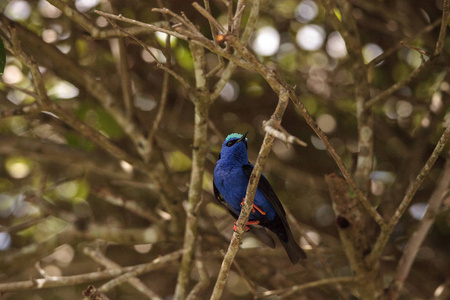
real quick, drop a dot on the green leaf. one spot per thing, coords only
(2, 57)
(337, 12)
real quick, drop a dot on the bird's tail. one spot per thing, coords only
(293, 250)
(262, 235)
(284, 234)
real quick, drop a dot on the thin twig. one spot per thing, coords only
(240, 6)
(130, 205)
(149, 26)
(390, 51)
(99, 257)
(247, 280)
(209, 17)
(348, 177)
(23, 110)
(98, 138)
(139, 270)
(22, 226)
(418, 237)
(443, 30)
(162, 106)
(204, 281)
(396, 86)
(301, 287)
(202, 102)
(315, 249)
(384, 235)
(18, 88)
(42, 283)
(249, 28)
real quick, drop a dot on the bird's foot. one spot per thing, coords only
(246, 227)
(255, 208)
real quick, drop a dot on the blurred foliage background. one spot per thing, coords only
(60, 192)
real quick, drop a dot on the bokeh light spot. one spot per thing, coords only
(5, 240)
(371, 51)
(144, 102)
(267, 41)
(313, 236)
(143, 248)
(327, 123)
(336, 45)
(67, 189)
(147, 57)
(317, 143)
(63, 90)
(18, 10)
(12, 74)
(306, 11)
(86, 5)
(18, 167)
(230, 91)
(404, 109)
(418, 210)
(310, 37)
(48, 11)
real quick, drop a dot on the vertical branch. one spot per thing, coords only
(443, 31)
(159, 114)
(202, 274)
(350, 34)
(352, 222)
(249, 28)
(202, 103)
(266, 147)
(125, 80)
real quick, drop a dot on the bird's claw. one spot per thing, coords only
(246, 227)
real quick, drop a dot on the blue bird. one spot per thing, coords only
(231, 176)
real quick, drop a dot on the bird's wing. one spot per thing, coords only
(259, 232)
(222, 201)
(265, 187)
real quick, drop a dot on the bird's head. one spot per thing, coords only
(234, 148)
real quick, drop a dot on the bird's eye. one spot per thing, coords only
(230, 143)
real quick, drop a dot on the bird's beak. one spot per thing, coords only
(242, 138)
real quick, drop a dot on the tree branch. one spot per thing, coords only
(386, 232)
(56, 281)
(266, 147)
(419, 235)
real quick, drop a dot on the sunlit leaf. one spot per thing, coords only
(184, 58)
(337, 13)
(179, 162)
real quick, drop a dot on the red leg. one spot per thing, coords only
(255, 207)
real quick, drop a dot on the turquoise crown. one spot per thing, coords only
(234, 136)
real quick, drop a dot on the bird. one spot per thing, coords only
(230, 181)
